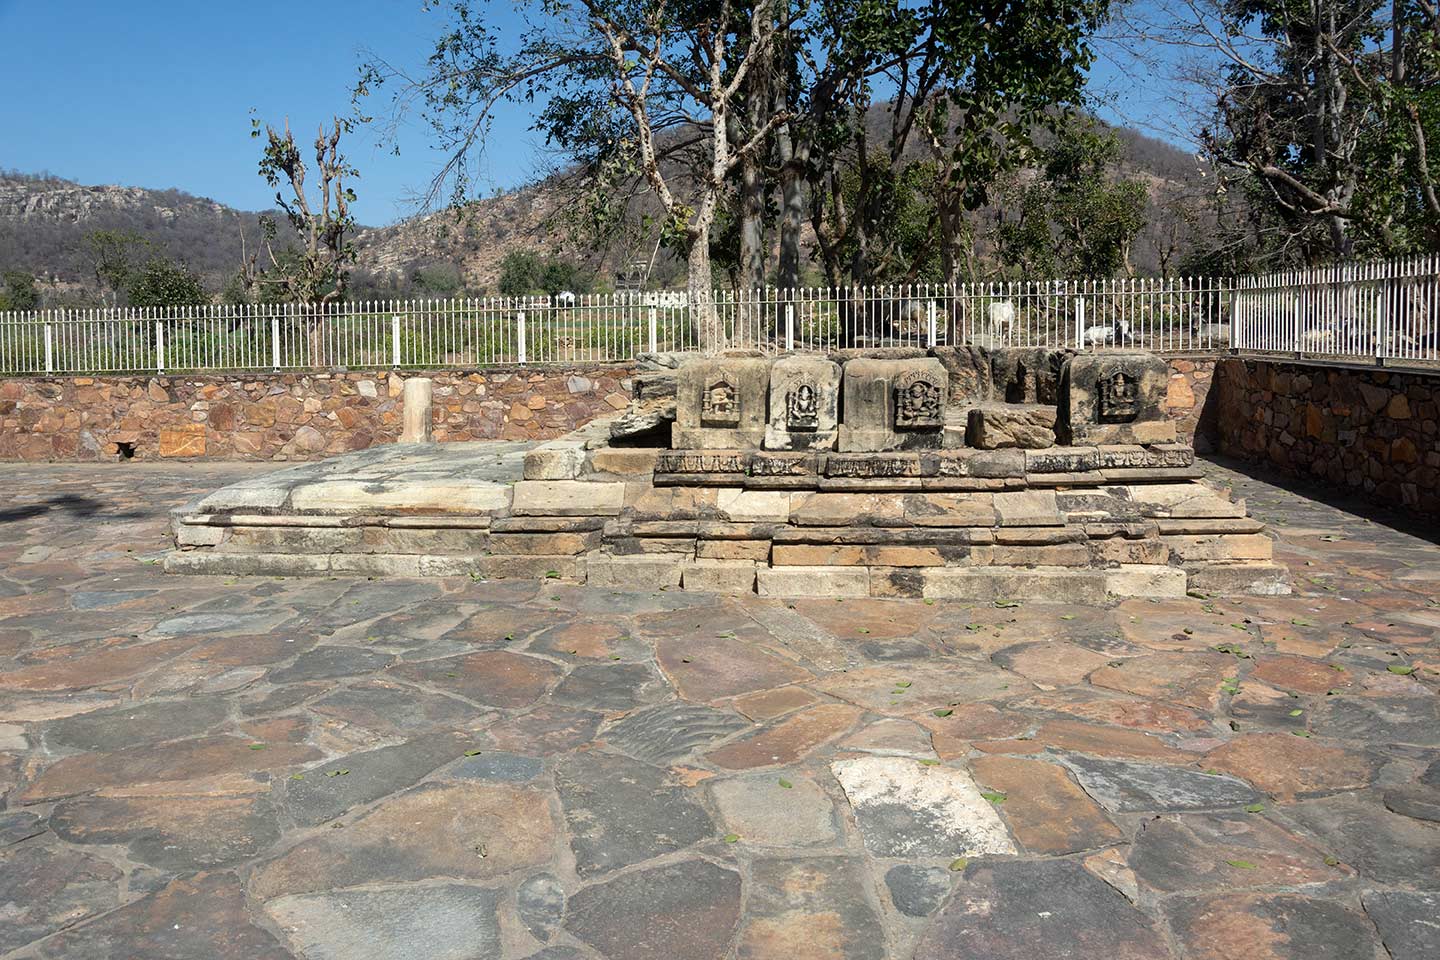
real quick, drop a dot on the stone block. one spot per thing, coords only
(638, 461)
(721, 403)
(1056, 584)
(862, 555)
(1223, 546)
(994, 426)
(813, 582)
(198, 535)
(1114, 398)
(856, 509)
(950, 509)
(757, 550)
(804, 404)
(1116, 550)
(187, 441)
(1239, 577)
(893, 405)
(753, 505)
(1027, 508)
(969, 371)
(421, 496)
(556, 460)
(543, 544)
(719, 576)
(648, 572)
(568, 498)
(1146, 580)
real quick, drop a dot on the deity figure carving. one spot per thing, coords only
(918, 402)
(719, 405)
(1119, 399)
(802, 408)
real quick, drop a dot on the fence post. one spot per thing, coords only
(790, 327)
(1079, 323)
(159, 346)
(654, 330)
(1295, 342)
(49, 348)
(930, 321)
(394, 340)
(520, 334)
(1235, 321)
(275, 342)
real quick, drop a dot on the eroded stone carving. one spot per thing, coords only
(720, 405)
(918, 403)
(802, 408)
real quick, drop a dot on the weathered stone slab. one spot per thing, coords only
(789, 740)
(1114, 398)
(1407, 922)
(1274, 926)
(893, 404)
(762, 811)
(1124, 786)
(568, 498)
(918, 891)
(1382, 846)
(679, 911)
(1196, 852)
(621, 811)
(721, 404)
(454, 922)
(1289, 767)
(647, 572)
(809, 908)
(810, 581)
(1046, 908)
(323, 793)
(997, 426)
(907, 809)
(664, 734)
(804, 404)
(720, 576)
(45, 888)
(462, 830)
(1045, 808)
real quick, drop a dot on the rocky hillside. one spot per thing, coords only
(44, 220)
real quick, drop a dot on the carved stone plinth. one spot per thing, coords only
(804, 404)
(893, 405)
(1114, 398)
(721, 403)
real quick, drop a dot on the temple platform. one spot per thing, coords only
(1079, 523)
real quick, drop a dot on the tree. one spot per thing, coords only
(644, 86)
(112, 257)
(161, 282)
(520, 273)
(1075, 218)
(19, 292)
(317, 271)
(1321, 117)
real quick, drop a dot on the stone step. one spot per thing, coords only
(374, 564)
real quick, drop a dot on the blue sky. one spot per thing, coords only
(157, 93)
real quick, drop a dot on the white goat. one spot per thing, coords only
(1106, 333)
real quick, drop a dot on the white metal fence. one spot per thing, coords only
(1386, 312)
(1375, 311)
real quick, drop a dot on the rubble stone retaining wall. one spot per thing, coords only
(289, 416)
(1376, 432)
(307, 416)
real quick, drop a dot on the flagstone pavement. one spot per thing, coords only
(359, 768)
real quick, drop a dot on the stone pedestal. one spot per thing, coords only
(721, 404)
(893, 405)
(1114, 398)
(996, 426)
(804, 404)
(418, 416)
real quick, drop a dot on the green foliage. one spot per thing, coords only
(526, 273)
(113, 255)
(1075, 218)
(19, 291)
(437, 280)
(161, 282)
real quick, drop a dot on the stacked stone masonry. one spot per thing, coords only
(1372, 431)
(290, 416)
(304, 416)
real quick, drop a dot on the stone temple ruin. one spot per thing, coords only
(958, 472)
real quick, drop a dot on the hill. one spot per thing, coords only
(44, 220)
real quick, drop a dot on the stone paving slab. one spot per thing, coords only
(209, 767)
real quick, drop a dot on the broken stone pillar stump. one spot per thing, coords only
(998, 426)
(418, 416)
(721, 404)
(893, 405)
(1114, 398)
(1027, 374)
(804, 404)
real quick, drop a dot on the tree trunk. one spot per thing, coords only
(705, 320)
